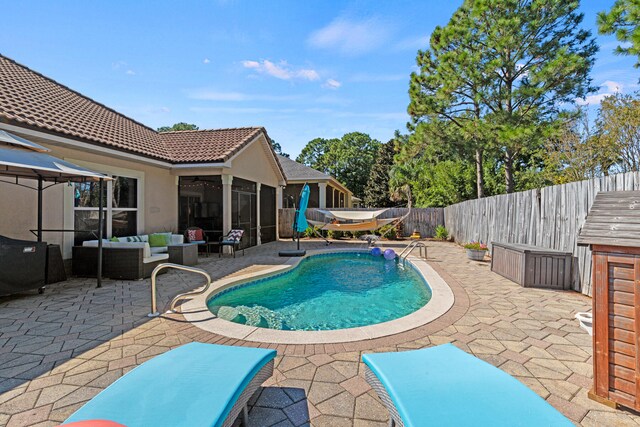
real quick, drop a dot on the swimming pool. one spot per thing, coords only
(326, 292)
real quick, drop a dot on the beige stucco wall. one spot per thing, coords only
(159, 208)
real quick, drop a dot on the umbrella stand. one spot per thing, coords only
(302, 206)
(100, 220)
(39, 209)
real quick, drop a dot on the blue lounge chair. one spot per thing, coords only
(444, 386)
(193, 385)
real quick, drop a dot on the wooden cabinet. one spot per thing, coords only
(616, 308)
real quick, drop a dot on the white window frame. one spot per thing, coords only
(69, 201)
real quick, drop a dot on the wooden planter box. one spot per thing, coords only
(531, 266)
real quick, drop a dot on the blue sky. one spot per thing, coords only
(302, 69)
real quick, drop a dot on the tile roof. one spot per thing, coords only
(29, 99)
(218, 144)
(297, 171)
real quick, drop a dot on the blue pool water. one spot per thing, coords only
(325, 292)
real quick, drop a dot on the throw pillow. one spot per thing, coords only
(195, 235)
(114, 239)
(157, 240)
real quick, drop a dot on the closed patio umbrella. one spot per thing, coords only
(300, 223)
(23, 159)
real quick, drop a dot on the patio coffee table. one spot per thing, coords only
(184, 253)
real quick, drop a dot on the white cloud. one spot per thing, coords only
(122, 65)
(239, 110)
(612, 87)
(282, 70)
(607, 88)
(118, 64)
(373, 78)
(351, 37)
(414, 43)
(206, 61)
(332, 84)
(213, 95)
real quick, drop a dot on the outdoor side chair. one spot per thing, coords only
(198, 236)
(232, 239)
(193, 385)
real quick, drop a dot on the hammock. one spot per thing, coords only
(352, 215)
(370, 225)
(357, 220)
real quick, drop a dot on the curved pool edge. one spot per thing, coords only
(196, 312)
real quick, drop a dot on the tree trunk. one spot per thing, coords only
(508, 171)
(479, 173)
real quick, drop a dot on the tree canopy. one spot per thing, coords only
(348, 159)
(278, 149)
(178, 126)
(623, 20)
(377, 193)
(498, 74)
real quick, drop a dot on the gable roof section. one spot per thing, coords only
(294, 171)
(297, 172)
(213, 145)
(29, 99)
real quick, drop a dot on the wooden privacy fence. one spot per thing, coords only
(550, 217)
(425, 220)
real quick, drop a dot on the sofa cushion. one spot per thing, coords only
(154, 258)
(158, 240)
(159, 249)
(177, 239)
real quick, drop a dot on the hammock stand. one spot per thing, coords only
(357, 221)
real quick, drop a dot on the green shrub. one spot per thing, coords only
(478, 246)
(309, 233)
(442, 233)
(337, 234)
(358, 234)
(389, 231)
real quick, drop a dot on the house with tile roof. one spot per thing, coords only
(215, 179)
(326, 191)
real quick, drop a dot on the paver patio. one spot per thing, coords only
(59, 349)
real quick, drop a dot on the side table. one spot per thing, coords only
(183, 254)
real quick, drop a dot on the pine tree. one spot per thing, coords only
(377, 194)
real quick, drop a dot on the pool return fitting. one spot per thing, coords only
(172, 309)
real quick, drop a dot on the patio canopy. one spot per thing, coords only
(23, 159)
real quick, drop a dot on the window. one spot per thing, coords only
(120, 203)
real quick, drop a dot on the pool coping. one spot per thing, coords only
(196, 312)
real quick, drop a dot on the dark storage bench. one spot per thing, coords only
(531, 266)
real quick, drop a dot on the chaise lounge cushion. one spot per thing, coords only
(443, 385)
(194, 385)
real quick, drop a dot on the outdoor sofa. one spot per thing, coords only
(130, 258)
(193, 385)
